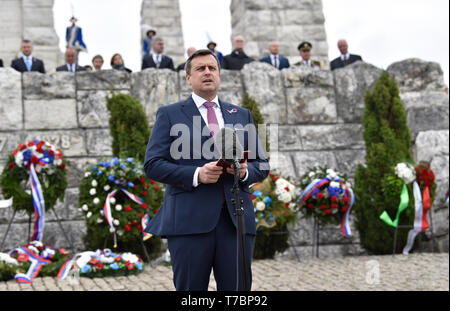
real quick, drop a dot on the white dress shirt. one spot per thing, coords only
(345, 56)
(275, 59)
(157, 58)
(199, 101)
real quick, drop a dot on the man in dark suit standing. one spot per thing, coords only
(71, 64)
(237, 59)
(157, 59)
(27, 62)
(1, 63)
(346, 58)
(197, 215)
(274, 58)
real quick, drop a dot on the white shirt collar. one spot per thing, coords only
(199, 101)
(345, 56)
(30, 57)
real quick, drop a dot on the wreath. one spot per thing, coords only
(117, 201)
(30, 260)
(327, 196)
(49, 165)
(274, 201)
(103, 263)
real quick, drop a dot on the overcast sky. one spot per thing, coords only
(381, 31)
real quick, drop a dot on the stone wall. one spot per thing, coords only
(32, 20)
(314, 117)
(287, 21)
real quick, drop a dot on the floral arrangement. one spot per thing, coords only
(50, 167)
(102, 263)
(115, 195)
(274, 201)
(35, 178)
(425, 176)
(405, 172)
(30, 260)
(328, 196)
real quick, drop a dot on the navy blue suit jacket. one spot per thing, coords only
(284, 62)
(194, 210)
(338, 63)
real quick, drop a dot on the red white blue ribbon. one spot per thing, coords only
(422, 206)
(36, 264)
(348, 192)
(65, 268)
(107, 209)
(39, 205)
(345, 223)
(144, 222)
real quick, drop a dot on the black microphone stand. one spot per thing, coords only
(238, 203)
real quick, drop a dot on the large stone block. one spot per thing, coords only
(99, 142)
(231, 87)
(103, 80)
(58, 85)
(91, 107)
(50, 114)
(430, 144)
(305, 160)
(351, 83)
(9, 142)
(331, 137)
(282, 163)
(11, 112)
(264, 83)
(310, 95)
(414, 75)
(155, 88)
(426, 111)
(71, 142)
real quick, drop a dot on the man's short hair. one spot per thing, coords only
(201, 52)
(26, 41)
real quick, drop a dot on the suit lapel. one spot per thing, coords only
(190, 110)
(22, 64)
(228, 117)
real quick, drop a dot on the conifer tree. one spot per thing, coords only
(388, 141)
(128, 126)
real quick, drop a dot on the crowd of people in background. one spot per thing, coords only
(154, 57)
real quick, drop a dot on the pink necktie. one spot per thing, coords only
(213, 124)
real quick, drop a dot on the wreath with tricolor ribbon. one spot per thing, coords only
(35, 178)
(118, 201)
(328, 196)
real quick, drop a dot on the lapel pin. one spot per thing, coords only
(232, 110)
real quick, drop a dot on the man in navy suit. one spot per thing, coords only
(346, 58)
(157, 59)
(27, 62)
(71, 61)
(197, 215)
(274, 58)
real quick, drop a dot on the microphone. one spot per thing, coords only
(228, 146)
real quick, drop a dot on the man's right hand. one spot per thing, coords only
(209, 173)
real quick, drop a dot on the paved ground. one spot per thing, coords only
(379, 273)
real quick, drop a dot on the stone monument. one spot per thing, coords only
(32, 20)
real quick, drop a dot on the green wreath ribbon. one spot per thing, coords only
(404, 201)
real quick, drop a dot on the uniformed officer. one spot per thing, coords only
(305, 52)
